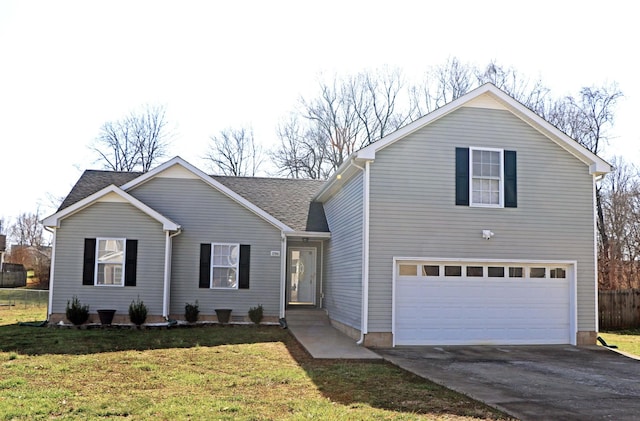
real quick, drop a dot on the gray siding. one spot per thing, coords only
(108, 219)
(343, 254)
(207, 216)
(413, 210)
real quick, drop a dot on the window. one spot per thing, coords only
(537, 272)
(495, 272)
(453, 271)
(110, 262)
(475, 271)
(558, 273)
(486, 177)
(430, 270)
(516, 272)
(224, 266)
(408, 270)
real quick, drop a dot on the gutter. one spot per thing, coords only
(168, 248)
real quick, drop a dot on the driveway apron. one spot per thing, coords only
(533, 382)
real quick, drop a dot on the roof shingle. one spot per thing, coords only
(288, 200)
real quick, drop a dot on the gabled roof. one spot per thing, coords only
(177, 161)
(486, 96)
(108, 193)
(92, 181)
(285, 200)
(597, 165)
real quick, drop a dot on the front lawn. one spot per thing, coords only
(626, 340)
(217, 372)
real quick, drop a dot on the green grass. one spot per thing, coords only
(626, 340)
(216, 372)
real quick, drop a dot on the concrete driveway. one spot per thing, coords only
(533, 382)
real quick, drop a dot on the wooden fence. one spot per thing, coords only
(619, 309)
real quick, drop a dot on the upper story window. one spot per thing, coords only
(486, 177)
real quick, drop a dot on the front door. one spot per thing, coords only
(302, 275)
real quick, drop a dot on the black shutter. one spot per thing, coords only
(245, 260)
(131, 263)
(462, 176)
(510, 180)
(205, 266)
(89, 264)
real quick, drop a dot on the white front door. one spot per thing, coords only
(302, 275)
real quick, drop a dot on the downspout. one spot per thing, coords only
(595, 258)
(51, 270)
(283, 276)
(365, 251)
(168, 247)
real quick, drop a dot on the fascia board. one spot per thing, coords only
(309, 234)
(327, 186)
(596, 164)
(211, 182)
(54, 220)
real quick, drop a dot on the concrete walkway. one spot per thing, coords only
(311, 327)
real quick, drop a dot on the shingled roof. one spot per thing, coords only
(288, 200)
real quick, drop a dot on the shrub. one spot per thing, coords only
(191, 312)
(76, 312)
(137, 312)
(255, 314)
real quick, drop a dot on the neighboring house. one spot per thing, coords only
(471, 225)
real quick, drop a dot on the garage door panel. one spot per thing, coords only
(481, 310)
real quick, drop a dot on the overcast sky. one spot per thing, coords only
(66, 67)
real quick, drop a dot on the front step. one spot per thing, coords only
(307, 317)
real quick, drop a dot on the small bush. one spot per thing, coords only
(255, 314)
(77, 313)
(137, 312)
(191, 312)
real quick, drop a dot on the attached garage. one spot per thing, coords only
(453, 302)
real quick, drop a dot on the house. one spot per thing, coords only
(472, 225)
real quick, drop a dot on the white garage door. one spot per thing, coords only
(475, 303)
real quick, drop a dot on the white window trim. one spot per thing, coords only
(124, 261)
(237, 266)
(501, 183)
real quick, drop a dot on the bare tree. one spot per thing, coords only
(533, 94)
(348, 114)
(588, 119)
(29, 245)
(27, 230)
(620, 201)
(441, 85)
(234, 152)
(302, 151)
(134, 142)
